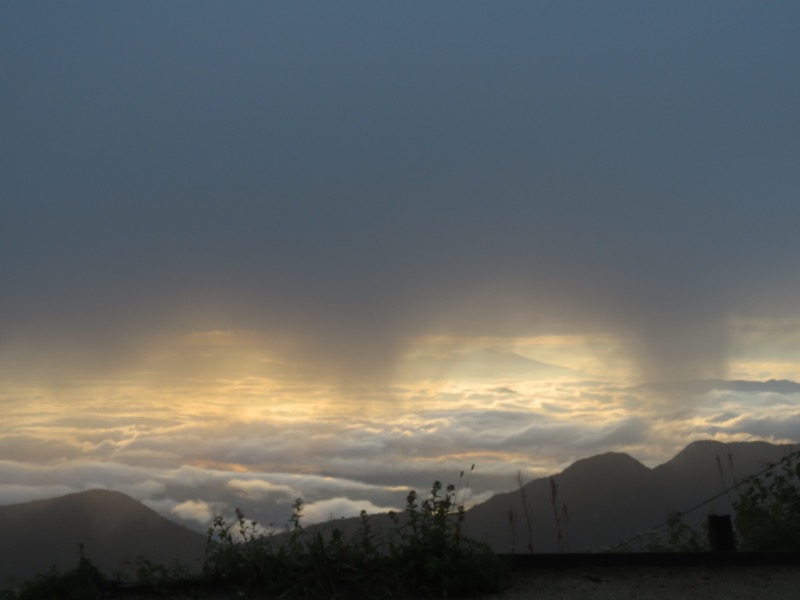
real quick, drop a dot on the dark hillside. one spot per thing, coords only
(596, 500)
(612, 497)
(113, 527)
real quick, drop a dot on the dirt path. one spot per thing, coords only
(656, 583)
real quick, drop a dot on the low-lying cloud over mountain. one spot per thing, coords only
(595, 503)
(258, 448)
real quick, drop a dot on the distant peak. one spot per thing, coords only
(703, 445)
(101, 494)
(614, 461)
(698, 448)
(711, 450)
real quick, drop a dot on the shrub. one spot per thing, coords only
(83, 582)
(434, 554)
(768, 511)
(424, 553)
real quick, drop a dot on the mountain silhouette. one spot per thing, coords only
(114, 529)
(595, 504)
(602, 501)
(483, 363)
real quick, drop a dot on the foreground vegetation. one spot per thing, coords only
(768, 511)
(423, 555)
(767, 516)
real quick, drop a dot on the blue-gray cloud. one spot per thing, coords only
(353, 177)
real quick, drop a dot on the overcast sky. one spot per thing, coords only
(300, 211)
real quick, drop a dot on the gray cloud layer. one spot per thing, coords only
(348, 176)
(342, 464)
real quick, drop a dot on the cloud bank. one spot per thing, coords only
(341, 464)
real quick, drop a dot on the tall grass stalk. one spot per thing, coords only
(524, 496)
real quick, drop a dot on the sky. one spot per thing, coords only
(255, 251)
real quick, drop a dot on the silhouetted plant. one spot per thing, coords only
(434, 555)
(768, 510)
(83, 582)
(679, 537)
(562, 543)
(524, 496)
(673, 535)
(425, 552)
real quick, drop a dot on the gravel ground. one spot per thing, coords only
(608, 583)
(656, 583)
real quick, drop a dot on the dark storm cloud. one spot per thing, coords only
(354, 175)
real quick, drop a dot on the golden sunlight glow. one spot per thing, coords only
(586, 356)
(227, 400)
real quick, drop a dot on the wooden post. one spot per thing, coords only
(720, 533)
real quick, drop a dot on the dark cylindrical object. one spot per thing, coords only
(720, 533)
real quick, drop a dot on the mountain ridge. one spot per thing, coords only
(594, 504)
(482, 363)
(601, 501)
(113, 528)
